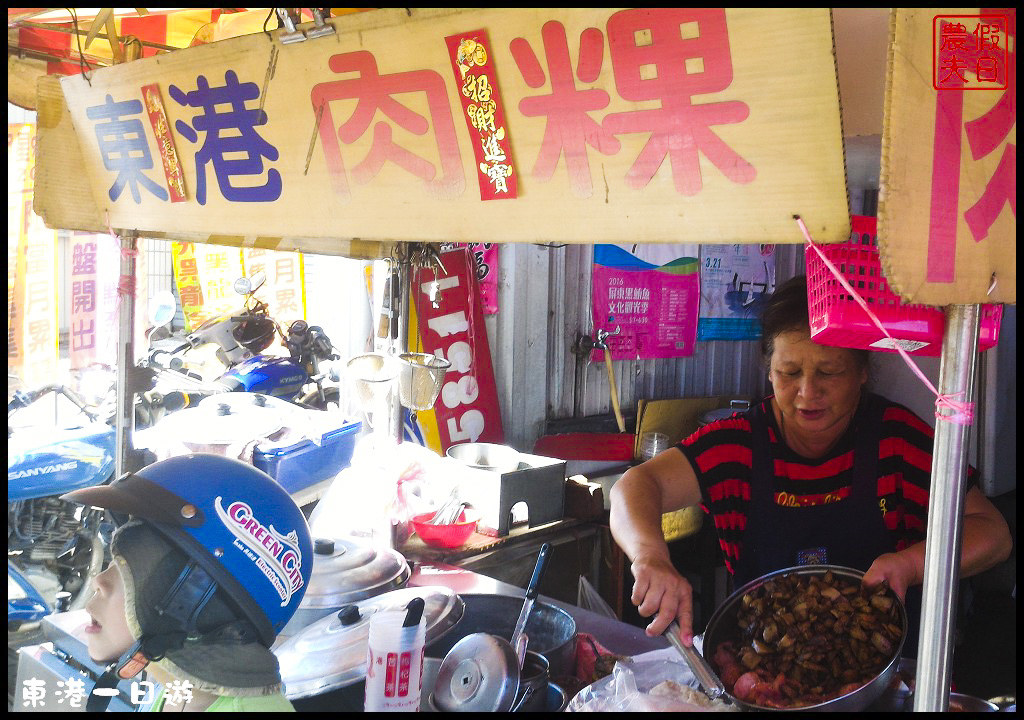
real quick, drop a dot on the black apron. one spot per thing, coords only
(850, 533)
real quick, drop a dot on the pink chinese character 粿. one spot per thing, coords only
(672, 55)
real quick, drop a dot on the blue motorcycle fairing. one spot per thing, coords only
(73, 459)
(30, 608)
(277, 376)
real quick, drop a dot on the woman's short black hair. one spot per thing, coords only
(786, 310)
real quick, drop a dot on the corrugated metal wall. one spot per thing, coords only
(544, 301)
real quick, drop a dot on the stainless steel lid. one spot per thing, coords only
(479, 674)
(331, 653)
(345, 572)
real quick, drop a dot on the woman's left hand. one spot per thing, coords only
(898, 568)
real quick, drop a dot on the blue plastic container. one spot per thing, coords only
(296, 467)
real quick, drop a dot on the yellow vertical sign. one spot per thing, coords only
(284, 290)
(218, 268)
(32, 296)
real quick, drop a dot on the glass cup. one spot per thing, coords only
(652, 443)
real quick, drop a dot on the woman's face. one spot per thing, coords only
(108, 633)
(817, 387)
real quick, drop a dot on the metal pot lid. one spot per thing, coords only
(479, 674)
(331, 653)
(245, 401)
(225, 423)
(345, 572)
(735, 406)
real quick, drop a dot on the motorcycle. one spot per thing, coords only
(54, 547)
(240, 341)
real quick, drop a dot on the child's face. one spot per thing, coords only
(108, 633)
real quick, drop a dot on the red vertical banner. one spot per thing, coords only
(467, 408)
(85, 303)
(95, 271)
(485, 258)
(470, 54)
(165, 143)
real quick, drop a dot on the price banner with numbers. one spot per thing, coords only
(451, 326)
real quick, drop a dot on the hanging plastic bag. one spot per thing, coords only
(588, 598)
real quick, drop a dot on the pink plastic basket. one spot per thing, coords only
(837, 319)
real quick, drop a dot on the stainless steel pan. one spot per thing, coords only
(722, 627)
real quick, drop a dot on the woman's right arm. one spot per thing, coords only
(663, 484)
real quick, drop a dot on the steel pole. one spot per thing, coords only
(945, 511)
(125, 355)
(402, 343)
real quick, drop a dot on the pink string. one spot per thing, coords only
(963, 412)
(125, 283)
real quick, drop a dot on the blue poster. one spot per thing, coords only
(734, 280)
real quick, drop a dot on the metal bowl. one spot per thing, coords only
(722, 627)
(958, 702)
(486, 456)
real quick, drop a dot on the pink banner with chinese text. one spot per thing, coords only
(647, 298)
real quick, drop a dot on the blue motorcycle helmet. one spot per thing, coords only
(216, 558)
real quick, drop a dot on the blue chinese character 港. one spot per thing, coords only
(218, 145)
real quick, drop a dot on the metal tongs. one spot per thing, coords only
(449, 512)
(707, 678)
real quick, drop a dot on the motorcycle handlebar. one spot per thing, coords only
(177, 400)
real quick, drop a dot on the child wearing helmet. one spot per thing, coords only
(211, 564)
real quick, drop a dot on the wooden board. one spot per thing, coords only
(947, 223)
(640, 125)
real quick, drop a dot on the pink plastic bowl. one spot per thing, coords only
(448, 537)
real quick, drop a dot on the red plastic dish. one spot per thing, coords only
(447, 537)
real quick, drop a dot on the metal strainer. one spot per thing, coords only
(419, 379)
(373, 378)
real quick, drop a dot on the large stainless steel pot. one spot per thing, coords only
(552, 631)
(722, 627)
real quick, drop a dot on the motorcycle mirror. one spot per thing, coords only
(162, 307)
(249, 285)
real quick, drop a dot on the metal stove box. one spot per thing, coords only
(541, 485)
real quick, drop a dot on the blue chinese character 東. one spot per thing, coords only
(218, 146)
(124, 147)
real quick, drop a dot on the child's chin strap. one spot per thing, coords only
(181, 606)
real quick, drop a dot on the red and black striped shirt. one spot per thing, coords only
(720, 454)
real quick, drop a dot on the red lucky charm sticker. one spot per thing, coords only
(164, 141)
(485, 116)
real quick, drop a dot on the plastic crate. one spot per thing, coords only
(837, 319)
(296, 467)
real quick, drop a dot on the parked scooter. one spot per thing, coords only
(240, 340)
(53, 547)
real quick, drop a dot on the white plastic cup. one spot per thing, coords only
(394, 664)
(652, 443)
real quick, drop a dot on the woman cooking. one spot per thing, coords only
(820, 472)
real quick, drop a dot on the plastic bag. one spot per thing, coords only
(654, 682)
(588, 598)
(373, 499)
